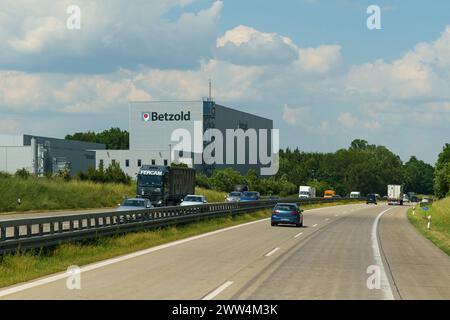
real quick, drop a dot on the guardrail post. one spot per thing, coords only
(60, 227)
(16, 232)
(80, 224)
(41, 229)
(29, 230)
(2, 234)
(71, 225)
(52, 227)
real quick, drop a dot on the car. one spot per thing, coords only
(234, 196)
(241, 188)
(193, 200)
(287, 213)
(371, 198)
(250, 196)
(274, 197)
(425, 200)
(336, 196)
(135, 204)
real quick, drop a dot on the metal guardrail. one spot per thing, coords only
(29, 233)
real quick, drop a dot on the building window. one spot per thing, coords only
(127, 163)
(153, 162)
(165, 162)
(101, 163)
(139, 162)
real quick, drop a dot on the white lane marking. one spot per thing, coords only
(327, 219)
(315, 225)
(385, 286)
(336, 215)
(272, 252)
(63, 275)
(298, 235)
(213, 294)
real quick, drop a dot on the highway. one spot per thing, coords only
(326, 259)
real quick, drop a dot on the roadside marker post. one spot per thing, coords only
(429, 222)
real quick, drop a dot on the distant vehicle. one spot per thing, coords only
(234, 196)
(273, 197)
(405, 198)
(165, 186)
(425, 200)
(135, 204)
(355, 194)
(287, 213)
(250, 196)
(371, 198)
(336, 196)
(395, 194)
(414, 199)
(193, 200)
(378, 196)
(329, 193)
(241, 188)
(306, 192)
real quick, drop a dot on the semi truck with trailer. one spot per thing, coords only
(306, 192)
(395, 194)
(165, 186)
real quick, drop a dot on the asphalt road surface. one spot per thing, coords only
(343, 252)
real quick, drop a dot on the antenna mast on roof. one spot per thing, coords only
(210, 91)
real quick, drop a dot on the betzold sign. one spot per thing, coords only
(155, 116)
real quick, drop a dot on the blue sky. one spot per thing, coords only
(310, 65)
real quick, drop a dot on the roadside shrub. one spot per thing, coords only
(22, 173)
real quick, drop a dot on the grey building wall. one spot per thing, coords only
(223, 118)
(55, 152)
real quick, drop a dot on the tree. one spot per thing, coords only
(418, 176)
(442, 173)
(114, 138)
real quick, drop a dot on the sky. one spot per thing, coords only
(312, 66)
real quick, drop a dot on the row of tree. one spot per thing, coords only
(361, 167)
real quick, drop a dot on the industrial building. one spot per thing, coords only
(152, 125)
(41, 155)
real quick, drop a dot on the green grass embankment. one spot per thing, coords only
(439, 233)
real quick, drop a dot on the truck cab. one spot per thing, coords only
(165, 186)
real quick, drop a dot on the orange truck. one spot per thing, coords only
(329, 193)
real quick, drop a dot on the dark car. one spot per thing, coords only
(250, 196)
(287, 213)
(371, 198)
(241, 188)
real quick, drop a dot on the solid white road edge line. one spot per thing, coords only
(385, 286)
(272, 252)
(315, 225)
(63, 275)
(213, 294)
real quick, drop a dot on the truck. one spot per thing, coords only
(306, 192)
(355, 194)
(395, 194)
(165, 186)
(329, 193)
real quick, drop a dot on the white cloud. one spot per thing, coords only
(245, 45)
(124, 35)
(321, 59)
(347, 120)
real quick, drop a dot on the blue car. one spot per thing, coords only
(250, 196)
(287, 213)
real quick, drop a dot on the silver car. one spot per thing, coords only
(233, 197)
(193, 200)
(135, 204)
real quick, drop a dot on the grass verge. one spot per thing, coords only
(439, 233)
(25, 266)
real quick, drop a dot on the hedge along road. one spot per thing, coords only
(327, 259)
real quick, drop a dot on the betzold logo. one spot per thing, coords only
(145, 116)
(155, 116)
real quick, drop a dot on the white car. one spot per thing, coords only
(135, 204)
(193, 200)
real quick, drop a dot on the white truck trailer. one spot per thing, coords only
(306, 192)
(395, 194)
